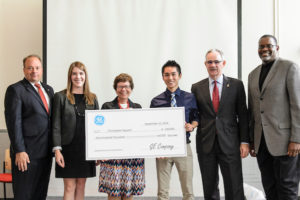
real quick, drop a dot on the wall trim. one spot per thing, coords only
(276, 19)
(239, 35)
(44, 41)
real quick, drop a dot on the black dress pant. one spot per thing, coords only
(280, 174)
(33, 183)
(231, 169)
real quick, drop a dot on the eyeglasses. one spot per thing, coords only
(268, 46)
(122, 87)
(214, 61)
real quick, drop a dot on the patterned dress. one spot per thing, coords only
(122, 177)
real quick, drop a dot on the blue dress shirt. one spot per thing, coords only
(212, 85)
(183, 99)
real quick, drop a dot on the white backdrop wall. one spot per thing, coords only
(289, 30)
(138, 37)
(257, 19)
(21, 34)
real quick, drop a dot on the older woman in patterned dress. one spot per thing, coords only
(122, 178)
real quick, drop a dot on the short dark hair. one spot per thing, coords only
(269, 36)
(29, 56)
(123, 78)
(171, 63)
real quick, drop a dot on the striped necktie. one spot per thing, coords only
(173, 100)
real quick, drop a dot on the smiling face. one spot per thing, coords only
(171, 78)
(267, 49)
(77, 78)
(33, 70)
(214, 64)
(123, 91)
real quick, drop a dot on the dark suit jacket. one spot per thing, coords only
(27, 121)
(230, 123)
(114, 104)
(64, 119)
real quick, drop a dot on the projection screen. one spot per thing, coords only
(137, 37)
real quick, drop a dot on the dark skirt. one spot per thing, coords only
(75, 164)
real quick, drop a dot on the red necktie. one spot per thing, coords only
(42, 96)
(215, 99)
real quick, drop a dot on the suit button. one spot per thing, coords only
(261, 98)
(261, 111)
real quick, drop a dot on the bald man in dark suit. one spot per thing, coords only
(27, 115)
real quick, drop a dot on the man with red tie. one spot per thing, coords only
(27, 114)
(222, 136)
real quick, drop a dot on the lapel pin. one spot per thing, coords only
(228, 85)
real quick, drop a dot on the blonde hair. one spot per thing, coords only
(88, 95)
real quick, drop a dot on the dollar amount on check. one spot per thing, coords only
(135, 133)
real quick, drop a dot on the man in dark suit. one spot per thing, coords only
(222, 134)
(27, 115)
(274, 107)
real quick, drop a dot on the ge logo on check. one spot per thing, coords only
(99, 120)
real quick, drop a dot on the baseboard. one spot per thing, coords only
(139, 198)
(92, 197)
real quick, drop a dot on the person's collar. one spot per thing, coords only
(219, 80)
(269, 64)
(33, 84)
(177, 92)
(115, 101)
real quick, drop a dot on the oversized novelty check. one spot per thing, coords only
(135, 133)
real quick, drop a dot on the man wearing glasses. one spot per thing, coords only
(222, 136)
(274, 107)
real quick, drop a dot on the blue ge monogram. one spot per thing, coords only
(99, 120)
